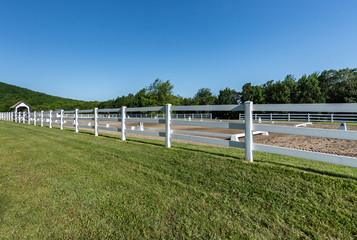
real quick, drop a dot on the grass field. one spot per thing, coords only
(59, 184)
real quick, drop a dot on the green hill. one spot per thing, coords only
(10, 94)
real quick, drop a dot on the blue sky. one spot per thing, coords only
(98, 50)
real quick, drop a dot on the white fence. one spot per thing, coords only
(99, 122)
(156, 116)
(307, 117)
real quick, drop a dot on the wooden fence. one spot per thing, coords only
(50, 118)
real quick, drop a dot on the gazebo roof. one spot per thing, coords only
(22, 103)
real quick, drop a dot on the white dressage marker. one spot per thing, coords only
(343, 126)
(140, 126)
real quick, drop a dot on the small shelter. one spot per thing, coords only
(20, 105)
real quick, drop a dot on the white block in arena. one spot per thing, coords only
(236, 137)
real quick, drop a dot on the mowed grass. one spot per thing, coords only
(66, 185)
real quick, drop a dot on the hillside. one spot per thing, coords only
(10, 94)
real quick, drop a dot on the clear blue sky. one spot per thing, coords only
(98, 50)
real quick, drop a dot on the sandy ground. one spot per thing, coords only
(324, 145)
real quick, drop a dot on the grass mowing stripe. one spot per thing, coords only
(58, 184)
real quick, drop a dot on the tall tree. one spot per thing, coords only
(280, 91)
(204, 96)
(227, 96)
(252, 93)
(309, 90)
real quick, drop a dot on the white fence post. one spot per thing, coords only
(248, 131)
(29, 117)
(271, 117)
(41, 118)
(95, 121)
(19, 117)
(123, 123)
(23, 117)
(308, 117)
(168, 125)
(34, 118)
(50, 123)
(289, 117)
(331, 117)
(76, 120)
(61, 116)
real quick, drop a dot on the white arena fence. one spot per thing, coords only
(98, 120)
(303, 117)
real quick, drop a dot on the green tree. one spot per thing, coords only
(227, 96)
(252, 93)
(280, 91)
(204, 96)
(309, 90)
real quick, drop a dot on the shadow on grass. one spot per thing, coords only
(321, 172)
(136, 140)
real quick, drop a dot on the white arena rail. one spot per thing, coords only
(122, 119)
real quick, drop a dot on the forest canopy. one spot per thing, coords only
(329, 86)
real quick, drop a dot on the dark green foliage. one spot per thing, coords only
(309, 90)
(157, 94)
(10, 94)
(331, 86)
(281, 91)
(227, 96)
(204, 96)
(339, 86)
(252, 93)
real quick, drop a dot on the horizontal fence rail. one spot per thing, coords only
(131, 120)
(303, 117)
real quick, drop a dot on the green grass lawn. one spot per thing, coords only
(61, 184)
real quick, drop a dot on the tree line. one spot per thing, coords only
(329, 86)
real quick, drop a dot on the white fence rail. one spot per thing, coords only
(303, 117)
(119, 120)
